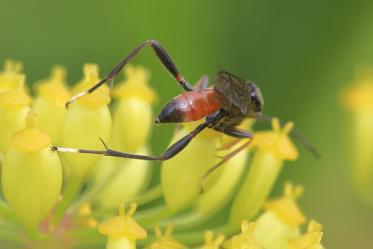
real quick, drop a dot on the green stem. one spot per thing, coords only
(97, 188)
(154, 215)
(148, 196)
(70, 192)
(186, 221)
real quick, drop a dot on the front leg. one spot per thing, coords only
(162, 55)
(172, 151)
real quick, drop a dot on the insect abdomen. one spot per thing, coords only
(190, 106)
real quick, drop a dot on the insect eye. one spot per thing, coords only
(254, 97)
(256, 101)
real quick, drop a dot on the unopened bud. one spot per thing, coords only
(31, 175)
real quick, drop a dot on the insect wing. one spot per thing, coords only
(234, 89)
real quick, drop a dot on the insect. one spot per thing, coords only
(223, 106)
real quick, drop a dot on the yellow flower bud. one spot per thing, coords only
(221, 183)
(244, 240)
(358, 99)
(164, 241)
(87, 120)
(85, 216)
(133, 116)
(123, 179)
(181, 175)
(273, 147)
(13, 110)
(31, 175)
(122, 230)
(282, 218)
(221, 188)
(9, 77)
(286, 208)
(210, 242)
(309, 240)
(50, 103)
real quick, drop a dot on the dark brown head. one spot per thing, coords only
(241, 94)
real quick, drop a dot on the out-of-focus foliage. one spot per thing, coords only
(299, 52)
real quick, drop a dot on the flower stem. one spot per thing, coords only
(148, 196)
(186, 221)
(154, 215)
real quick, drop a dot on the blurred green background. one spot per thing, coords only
(301, 53)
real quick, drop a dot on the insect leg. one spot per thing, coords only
(169, 153)
(162, 55)
(234, 133)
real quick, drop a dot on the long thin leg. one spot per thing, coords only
(234, 133)
(162, 55)
(169, 153)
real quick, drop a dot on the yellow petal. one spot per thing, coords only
(54, 88)
(286, 207)
(10, 76)
(30, 139)
(100, 96)
(123, 225)
(245, 239)
(136, 85)
(309, 240)
(277, 141)
(15, 97)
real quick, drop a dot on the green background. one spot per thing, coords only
(301, 53)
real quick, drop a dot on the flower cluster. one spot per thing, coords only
(70, 199)
(358, 100)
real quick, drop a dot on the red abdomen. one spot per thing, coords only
(190, 106)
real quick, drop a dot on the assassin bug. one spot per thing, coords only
(224, 106)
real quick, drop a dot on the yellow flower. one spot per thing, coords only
(122, 230)
(286, 208)
(187, 169)
(132, 122)
(85, 122)
(50, 103)
(14, 106)
(85, 216)
(358, 99)
(9, 77)
(309, 240)
(221, 184)
(31, 175)
(244, 240)
(164, 241)
(281, 221)
(272, 148)
(133, 116)
(123, 178)
(210, 242)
